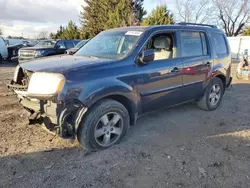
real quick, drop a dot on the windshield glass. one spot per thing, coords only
(110, 44)
(47, 43)
(81, 43)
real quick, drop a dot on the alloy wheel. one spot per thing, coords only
(215, 94)
(108, 129)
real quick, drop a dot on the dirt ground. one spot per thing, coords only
(178, 147)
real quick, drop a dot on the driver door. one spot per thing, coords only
(160, 81)
(60, 47)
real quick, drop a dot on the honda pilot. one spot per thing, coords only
(121, 74)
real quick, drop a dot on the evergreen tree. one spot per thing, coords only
(138, 10)
(70, 32)
(105, 14)
(120, 15)
(93, 17)
(159, 16)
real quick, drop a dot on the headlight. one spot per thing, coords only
(45, 84)
(39, 53)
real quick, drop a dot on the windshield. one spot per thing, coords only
(80, 44)
(110, 44)
(48, 43)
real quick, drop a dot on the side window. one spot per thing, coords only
(219, 43)
(61, 45)
(69, 44)
(163, 44)
(204, 43)
(193, 44)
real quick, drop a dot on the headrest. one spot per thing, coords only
(161, 42)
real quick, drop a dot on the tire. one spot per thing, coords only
(213, 95)
(96, 127)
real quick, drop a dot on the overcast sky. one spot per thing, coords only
(29, 17)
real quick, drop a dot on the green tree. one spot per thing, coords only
(138, 10)
(70, 32)
(120, 15)
(58, 33)
(246, 32)
(93, 17)
(159, 16)
(1, 31)
(100, 15)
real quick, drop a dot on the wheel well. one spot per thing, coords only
(128, 105)
(223, 79)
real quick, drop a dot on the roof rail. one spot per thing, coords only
(187, 23)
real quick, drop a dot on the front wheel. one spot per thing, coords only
(213, 95)
(104, 125)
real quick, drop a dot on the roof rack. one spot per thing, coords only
(187, 23)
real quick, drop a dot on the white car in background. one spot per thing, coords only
(3, 50)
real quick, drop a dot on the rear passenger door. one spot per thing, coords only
(197, 62)
(69, 44)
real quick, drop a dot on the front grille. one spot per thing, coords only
(26, 54)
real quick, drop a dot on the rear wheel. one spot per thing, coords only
(103, 126)
(213, 95)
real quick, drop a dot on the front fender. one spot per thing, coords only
(88, 93)
(105, 88)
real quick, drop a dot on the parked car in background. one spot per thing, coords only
(45, 48)
(72, 51)
(122, 74)
(3, 50)
(26, 43)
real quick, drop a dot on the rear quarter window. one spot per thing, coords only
(219, 42)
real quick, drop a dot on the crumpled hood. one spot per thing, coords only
(60, 63)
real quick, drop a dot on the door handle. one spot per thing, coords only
(175, 70)
(208, 64)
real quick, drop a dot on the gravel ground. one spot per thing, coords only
(178, 147)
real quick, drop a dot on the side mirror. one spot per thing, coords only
(57, 46)
(147, 56)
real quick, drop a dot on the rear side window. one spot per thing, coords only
(193, 44)
(69, 45)
(219, 43)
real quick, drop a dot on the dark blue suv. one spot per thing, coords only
(121, 74)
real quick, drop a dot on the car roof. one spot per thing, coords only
(172, 27)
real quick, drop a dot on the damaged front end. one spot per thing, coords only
(63, 117)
